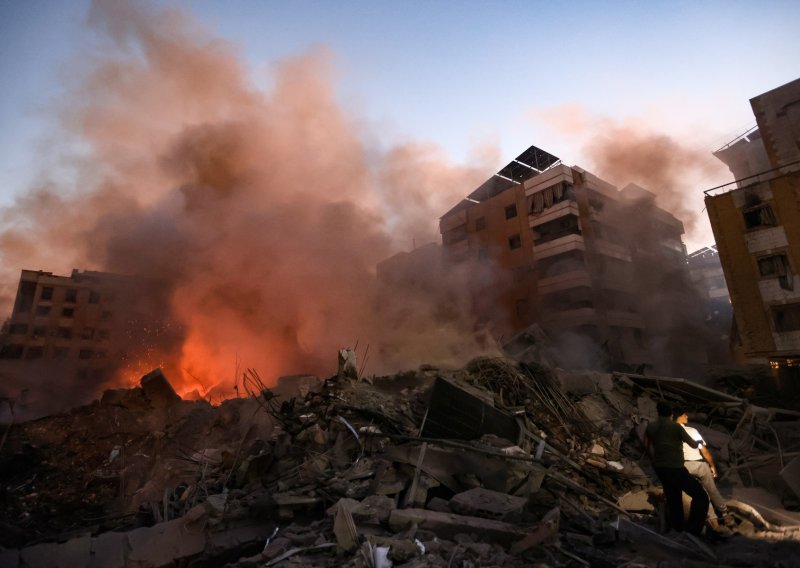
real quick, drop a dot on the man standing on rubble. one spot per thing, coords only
(700, 464)
(664, 441)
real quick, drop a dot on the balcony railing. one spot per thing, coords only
(754, 179)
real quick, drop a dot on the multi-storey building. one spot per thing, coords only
(87, 324)
(573, 253)
(756, 224)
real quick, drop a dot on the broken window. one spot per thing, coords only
(549, 196)
(87, 333)
(64, 332)
(34, 352)
(71, 295)
(511, 211)
(85, 354)
(47, 293)
(103, 334)
(514, 242)
(68, 312)
(42, 310)
(777, 265)
(94, 297)
(555, 229)
(39, 331)
(18, 328)
(11, 351)
(760, 216)
(786, 317)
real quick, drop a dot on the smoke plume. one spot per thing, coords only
(262, 214)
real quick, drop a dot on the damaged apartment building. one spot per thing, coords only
(85, 326)
(602, 270)
(756, 224)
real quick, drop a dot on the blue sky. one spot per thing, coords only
(456, 74)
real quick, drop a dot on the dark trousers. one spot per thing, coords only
(677, 480)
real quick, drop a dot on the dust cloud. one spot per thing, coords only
(261, 213)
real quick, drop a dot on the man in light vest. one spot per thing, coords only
(700, 464)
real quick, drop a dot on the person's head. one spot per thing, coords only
(681, 415)
(664, 409)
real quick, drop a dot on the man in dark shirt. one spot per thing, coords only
(664, 440)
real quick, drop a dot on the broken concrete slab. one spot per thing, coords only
(447, 525)
(457, 412)
(636, 501)
(791, 475)
(158, 389)
(164, 543)
(480, 502)
(374, 510)
(109, 550)
(546, 531)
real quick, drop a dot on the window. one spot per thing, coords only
(777, 265)
(18, 328)
(514, 242)
(68, 312)
(11, 351)
(103, 334)
(94, 297)
(786, 317)
(555, 229)
(480, 223)
(71, 296)
(34, 352)
(760, 216)
(511, 211)
(87, 333)
(64, 332)
(39, 331)
(105, 316)
(42, 310)
(47, 293)
(85, 354)
(99, 354)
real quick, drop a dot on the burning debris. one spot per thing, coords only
(497, 463)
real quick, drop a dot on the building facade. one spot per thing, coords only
(571, 252)
(756, 224)
(84, 327)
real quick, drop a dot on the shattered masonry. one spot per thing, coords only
(498, 463)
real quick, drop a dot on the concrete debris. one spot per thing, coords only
(501, 463)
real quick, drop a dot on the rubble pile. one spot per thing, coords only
(498, 463)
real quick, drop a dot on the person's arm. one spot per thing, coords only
(709, 459)
(689, 440)
(648, 446)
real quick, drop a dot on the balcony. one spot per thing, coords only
(574, 279)
(560, 245)
(558, 210)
